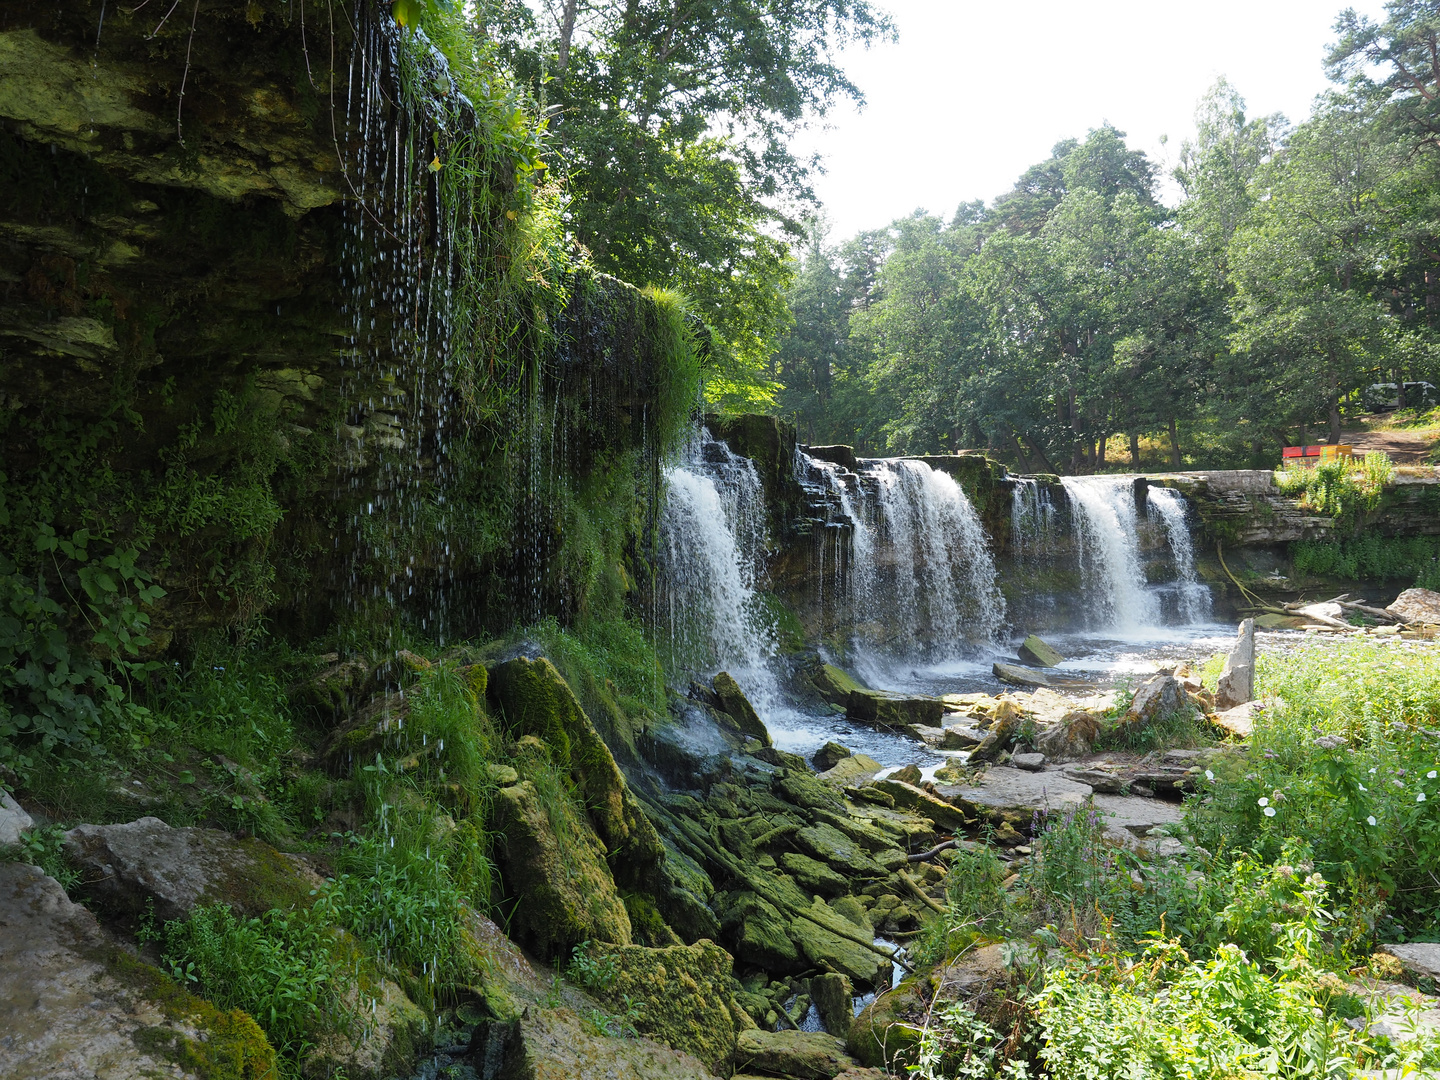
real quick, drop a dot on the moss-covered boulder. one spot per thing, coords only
(393, 1033)
(833, 684)
(554, 865)
(685, 996)
(533, 699)
(828, 941)
(802, 1055)
(127, 867)
(828, 844)
(73, 1004)
(855, 769)
(738, 708)
(945, 814)
(804, 789)
(888, 1030)
(813, 875)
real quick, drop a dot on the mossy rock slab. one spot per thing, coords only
(855, 769)
(828, 844)
(1035, 651)
(758, 932)
(813, 875)
(945, 814)
(76, 1005)
(129, 866)
(802, 1055)
(394, 1031)
(534, 699)
(564, 890)
(738, 708)
(805, 789)
(878, 708)
(685, 994)
(827, 939)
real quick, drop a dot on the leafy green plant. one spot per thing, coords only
(286, 969)
(44, 846)
(593, 973)
(1345, 488)
(956, 1044)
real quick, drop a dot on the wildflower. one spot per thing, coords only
(1362, 787)
(1372, 770)
(1211, 776)
(1420, 797)
(1431, 774)
(1269, 811)
(1264, 801)
(1371, 820)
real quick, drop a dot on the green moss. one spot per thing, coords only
(231, 1045)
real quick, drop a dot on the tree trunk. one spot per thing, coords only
(1020, 456)
(1399, 378)
(567, 31)
(1335, 420)
(1040, 453)
(1100, 453)
(1174, 443)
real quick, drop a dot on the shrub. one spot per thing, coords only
(1345, 488)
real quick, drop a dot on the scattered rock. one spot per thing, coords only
(564, 887)
(13, 821)
(72, 1005)
(1001, 733)
(1130, 821)
(1156, 698)
(1028, 762)
(127, 865)
(1418, 607)
(889, 1027)
(802, 1055)
(960, 736)
(1101, 781)
(1034, 651)
(737, 706)
(1237, 680)
(830, 755)
(685, 991)
(1072, 736)
(910, 774)
(812, 875)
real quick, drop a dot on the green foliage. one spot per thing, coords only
(958, 1045)
(286, 969)
(1411, 559)
(44, 846)
(592, 973)
(1344, 488)
(1350, 762)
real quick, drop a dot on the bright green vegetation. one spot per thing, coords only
(1241, 956)
(1345, 489)
(1412, 560)
(1254, 314)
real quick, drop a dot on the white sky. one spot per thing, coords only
(975, 92)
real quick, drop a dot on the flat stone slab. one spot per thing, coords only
(1239, 721)
(1128, 821)
(1014, 795)
(1421, 960)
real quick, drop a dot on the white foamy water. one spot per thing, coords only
(1107, 536)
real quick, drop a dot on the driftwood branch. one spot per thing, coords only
(914, 887)
(926, 855)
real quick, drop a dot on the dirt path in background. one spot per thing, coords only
(1404, 448)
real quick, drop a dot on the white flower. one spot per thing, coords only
(1420, 797)
(1264, 801)
(1209, 775)
(1431, 774)
(1371, 820)
(1269, 811)
(1361, 786)
(1372, 771)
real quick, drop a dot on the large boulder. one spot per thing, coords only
(828, 844)
(737, 706)
(73, 1005)
(1004, 722)
(1156, 698)
(1072, 736)
(1010, 795)
(879, 708)
(534, 699)
(758, 931)
(828, 940)
(834, 685)
(888, 1030)
(833, 996)
(130, 866)
(945, 814)
(1237, 679)
(684, 993)
(1420, 960)
(1418, 607)
(801, 1055)
(554, 863)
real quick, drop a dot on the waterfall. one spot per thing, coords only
(1032, 519)
(854, 577)
(1107, 538)
(712, 546)
(932, 590)
(1194, 597)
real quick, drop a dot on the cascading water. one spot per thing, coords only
(1032, 519)
(712, 544)
(932, 591)
(853, 571)
(1193, 597)
(1107, 539)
